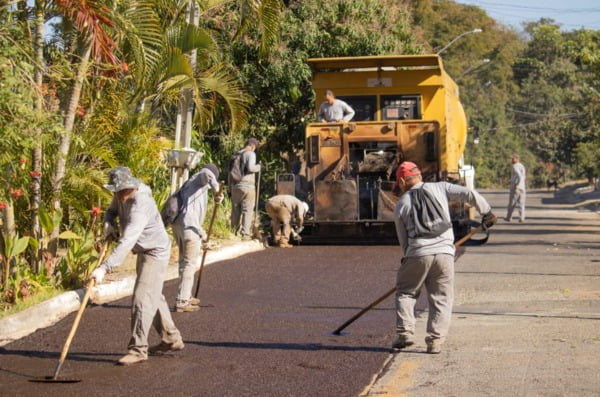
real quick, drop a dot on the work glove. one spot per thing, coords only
(219, 198)
(110, 233)
(98, 274)
(296, 236)
(488, 220)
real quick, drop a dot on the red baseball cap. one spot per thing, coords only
(406, 170)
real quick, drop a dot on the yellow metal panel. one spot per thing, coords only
(319, 64)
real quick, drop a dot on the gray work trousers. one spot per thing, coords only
(280, 222)
(516, 198)
(242, 208)
(436, 272)
(149, 306)
(189, 245)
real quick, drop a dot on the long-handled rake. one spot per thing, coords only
(338, 331)
(63, 355)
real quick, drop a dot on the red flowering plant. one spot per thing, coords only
(93, 216)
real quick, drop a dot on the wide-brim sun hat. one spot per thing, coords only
(120, 178)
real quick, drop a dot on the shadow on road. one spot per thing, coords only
(74, 356)
(289, 346)
(532, 274)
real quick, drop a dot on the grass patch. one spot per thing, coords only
(6, 309)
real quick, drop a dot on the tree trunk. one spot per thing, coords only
(36, 156)
(65, 139)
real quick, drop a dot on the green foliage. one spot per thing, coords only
(586, 159)
(557, 105)
(80, 258)
(12, 248)
(283, 101)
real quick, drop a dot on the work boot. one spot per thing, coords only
(194, 301)
(402, 341)
(132, 358)
(164, 347)
(187, 308)
(434, 345)
(285, 244)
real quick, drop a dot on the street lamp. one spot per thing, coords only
(458, 37)
(477, 65)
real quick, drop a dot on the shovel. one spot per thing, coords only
(65, 350)
(338, 330)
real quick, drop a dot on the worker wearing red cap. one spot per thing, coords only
(427, 244)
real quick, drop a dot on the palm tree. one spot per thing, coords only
(91, 20)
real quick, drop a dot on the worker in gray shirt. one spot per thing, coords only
(282, 209)
(243, 193)
(188, 231)
(143, 232)
(517, 190)
(334, 110)
(428, 259)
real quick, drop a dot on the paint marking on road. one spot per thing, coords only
(393, 380)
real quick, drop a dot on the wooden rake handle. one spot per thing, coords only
(390, 292)
(84, 301)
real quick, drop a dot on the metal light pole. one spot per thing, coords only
(458, 37)
(476, 66)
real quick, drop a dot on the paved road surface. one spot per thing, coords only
(527, 322)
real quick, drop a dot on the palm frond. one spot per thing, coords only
(219, 81)
(93, 19)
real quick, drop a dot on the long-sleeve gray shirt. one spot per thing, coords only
(142, 228)
(249, 167)
(194, 195)
(444, 243)
(517, 177)
(339, 110)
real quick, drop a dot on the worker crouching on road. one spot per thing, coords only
(281, 209)
(143, 232)
(427, 244)
(188, 231)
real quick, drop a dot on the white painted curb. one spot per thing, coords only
(55, 309)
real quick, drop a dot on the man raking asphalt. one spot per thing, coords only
(425, 234)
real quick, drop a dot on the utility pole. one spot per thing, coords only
(183, 158)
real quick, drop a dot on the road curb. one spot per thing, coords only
(49, 312)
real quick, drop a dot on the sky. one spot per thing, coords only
(570, 14)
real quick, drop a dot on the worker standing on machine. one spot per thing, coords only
(334, 110)
(424, 229)
(143, 232)
(282, 209)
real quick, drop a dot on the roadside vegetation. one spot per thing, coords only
(87, 86)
